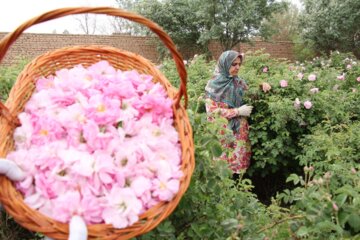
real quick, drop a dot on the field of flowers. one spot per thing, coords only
(304, 179)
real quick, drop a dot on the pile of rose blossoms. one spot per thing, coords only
(98, 143)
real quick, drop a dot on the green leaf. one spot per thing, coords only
(293, 177)
(340, 199)
(230, 224)
(343, 218)
(326, 226)
(354, 221)
(216, 149)
(302, 232)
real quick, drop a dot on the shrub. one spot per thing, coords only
(8, 75)
(304, 161)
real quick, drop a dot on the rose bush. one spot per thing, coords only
(305, 156)
(312, 120)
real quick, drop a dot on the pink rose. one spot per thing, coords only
(314, 90)
(358, 79)
(78, 132)
(307, 104)
(283, 83)
(312, 77)
(266, 87)
(349, 66)
(265, 70)
(300, 76)
(335, 207)
(341, 77)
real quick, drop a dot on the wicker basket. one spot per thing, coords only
(47, 64)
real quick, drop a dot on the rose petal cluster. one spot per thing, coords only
(300, 76)
(312, 77)
(99, 143)
(314, 90)
(283, 83)
(307, 104)
(341, 77)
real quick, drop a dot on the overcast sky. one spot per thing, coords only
(15, 12)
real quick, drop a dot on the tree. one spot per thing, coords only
(196, 22)
(87, 23)
(124, 26)
(283, 25)
(232, 22)
(176, 17)
(332, 25)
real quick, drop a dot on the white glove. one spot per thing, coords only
(11, 170)
(77, 229)
(244, 110)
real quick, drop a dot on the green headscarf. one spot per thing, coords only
(225, 88)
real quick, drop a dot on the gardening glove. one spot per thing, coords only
(77, 229)
(11, 170)
(244, 110)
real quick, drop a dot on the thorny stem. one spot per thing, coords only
(306, 179)
(279, 222)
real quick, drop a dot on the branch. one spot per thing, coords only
(280, 221)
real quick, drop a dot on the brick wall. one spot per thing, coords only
(30, 45)
(278, 49)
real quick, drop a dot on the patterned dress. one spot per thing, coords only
(239, 150)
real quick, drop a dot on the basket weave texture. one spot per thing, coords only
(47, 64)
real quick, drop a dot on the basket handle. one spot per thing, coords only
(10, 38)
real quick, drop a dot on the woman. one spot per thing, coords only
(224, 93)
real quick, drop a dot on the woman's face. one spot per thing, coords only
(235, 66)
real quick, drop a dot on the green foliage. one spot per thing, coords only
(279, 130)
(228, 21)
(332, 25)
(303, 50)
(315, 149)
(173, 16)
(213, 207)
(328, 202)
(8, 76)
(283, 25)
(10, 230)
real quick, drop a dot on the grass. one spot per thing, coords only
(10, 230)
